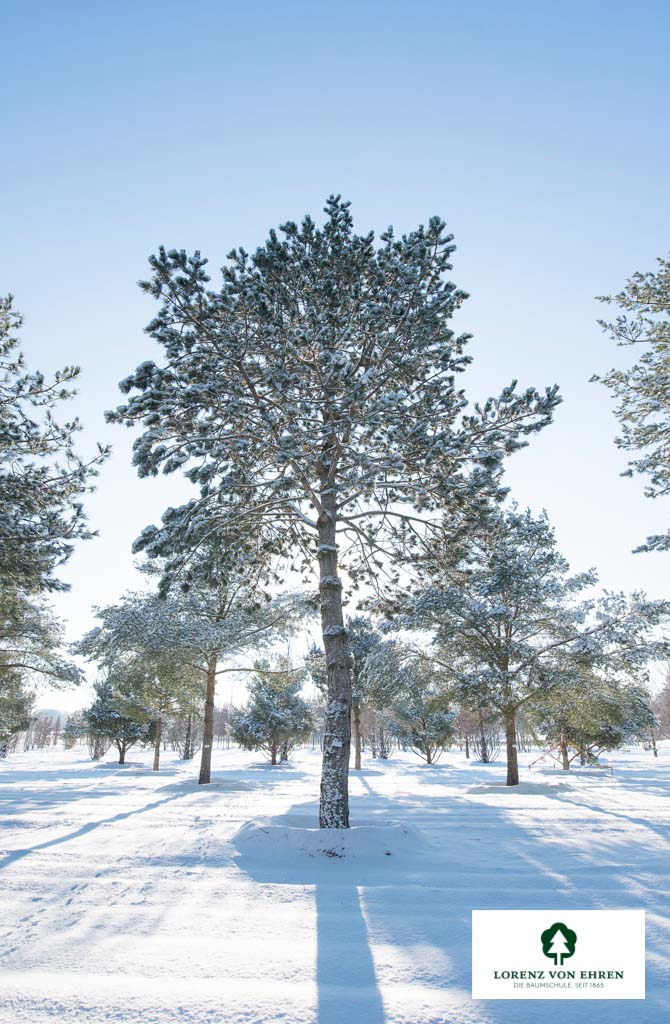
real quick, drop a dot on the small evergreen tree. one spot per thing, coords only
(276, 716)
(421, 714)
(594, 714)
(115, 716)
(74, 729)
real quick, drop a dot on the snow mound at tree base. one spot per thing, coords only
(263, 839)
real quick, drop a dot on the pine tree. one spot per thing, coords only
(276, 716)
(218, 617)
(419, 696)
(42, 478)
(16, 704)
(31, 640)
(508, 621)
(313, 400)
(590, 713)
(643, 390)
(115, 714)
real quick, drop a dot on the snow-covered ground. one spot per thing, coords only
(132, 897)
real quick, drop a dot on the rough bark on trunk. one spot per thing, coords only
(334, 802)
(208, 727)
(273, 753)
(509, 717)
(157, 744)
(122, 753)
(357, 735)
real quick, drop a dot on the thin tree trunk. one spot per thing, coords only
(273, 753)
(334, 802)
(467, 748)
(188, 754)
(122, 753)
(157, 744)
(582, 756)
(482, 740)
(563, 747)
(357, 735)
(208, 728)
(509, 717)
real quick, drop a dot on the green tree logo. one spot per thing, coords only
(558, 943)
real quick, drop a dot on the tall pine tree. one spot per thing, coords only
(313, 400)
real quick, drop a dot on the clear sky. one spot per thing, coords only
(537, 130)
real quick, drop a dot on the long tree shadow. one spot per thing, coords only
(350, 970)
(347, 988)
(83, 830)
(485, 856)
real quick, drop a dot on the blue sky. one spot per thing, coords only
(537, 130)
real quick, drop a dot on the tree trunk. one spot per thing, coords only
(334, 802)
(208, 728)
(484, 751)
(122, 752)
(273, 753)
(188, 753)
(509, 717)
(467, 748)
(653, 745)
(357, 735)
(563, 747)
(582, 756)
(157, 744)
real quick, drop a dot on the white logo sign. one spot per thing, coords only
(558, 954)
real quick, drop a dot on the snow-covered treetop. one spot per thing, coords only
(324, 364)
(506, 613)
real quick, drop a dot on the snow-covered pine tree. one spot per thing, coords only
(42, 478)
(31, 640)
(313, 400)
(418, 694)
(643, 390)
(508, 621)
(219, 617)
(30, 650)
(16, 704)
(590, 713)
(276, 717)
(115, 714)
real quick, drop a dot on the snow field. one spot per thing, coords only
(129, 896)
